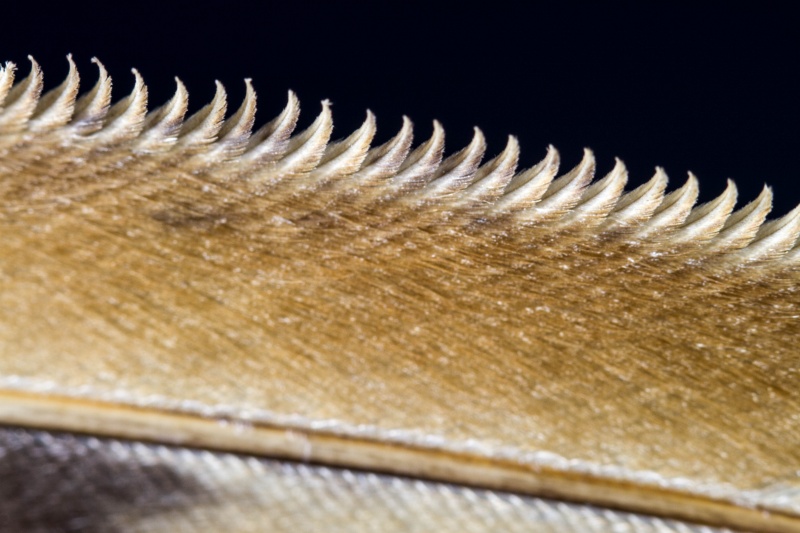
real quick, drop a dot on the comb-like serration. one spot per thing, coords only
(389, 172)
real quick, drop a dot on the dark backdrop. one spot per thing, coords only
(709, 89)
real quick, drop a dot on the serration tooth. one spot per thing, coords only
(57, 107)
(125, 119)
(368, 184)
(493, 177)
(563, 194)
(527, 188)
(271, 141)
(305, 150)
(774, 239)
(672, 211)
(456, 171)
(420, 165)
(162, 126)
(384, 161)
(597, 200)
(343, 158)
(202, 129)
(22, 99)
(6, 81)
(91, 108)
(742, 225)
(235, 133)
(638, 206)
(363, 175)
(219, 223)
(705, 221)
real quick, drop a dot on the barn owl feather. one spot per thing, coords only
(394, 307)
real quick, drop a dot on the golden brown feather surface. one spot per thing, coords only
(184, 280)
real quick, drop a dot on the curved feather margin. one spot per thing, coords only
(394, 172)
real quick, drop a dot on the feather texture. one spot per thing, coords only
(390, 307)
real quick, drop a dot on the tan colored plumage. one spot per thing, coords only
(184, 280)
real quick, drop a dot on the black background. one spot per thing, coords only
(710, 89)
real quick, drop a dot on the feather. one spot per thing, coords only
(184, 281)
